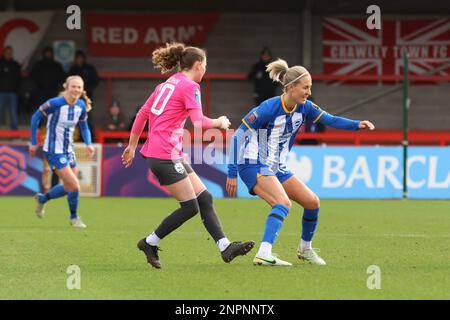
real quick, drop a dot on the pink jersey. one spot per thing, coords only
(167, 109)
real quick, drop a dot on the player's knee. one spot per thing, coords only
(285, 202)
(205, 198)
(72, 186)
(190, 207)
(313, 203)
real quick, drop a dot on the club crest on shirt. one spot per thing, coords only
(197, 96)
(252, 117)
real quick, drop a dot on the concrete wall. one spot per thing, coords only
(234, 45)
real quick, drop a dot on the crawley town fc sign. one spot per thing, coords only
(350, 48)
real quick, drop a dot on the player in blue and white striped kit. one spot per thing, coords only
(63, 114)
(259, 149)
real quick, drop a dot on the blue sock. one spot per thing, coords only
(72, 198)
(309, 223)
(274, 223)
(55, 192)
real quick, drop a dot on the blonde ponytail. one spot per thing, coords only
(87, 101)
(279, 71)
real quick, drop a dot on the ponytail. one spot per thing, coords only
(176, 56)
(87, 101)
(279, 71)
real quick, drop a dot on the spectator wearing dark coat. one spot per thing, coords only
(265, 88)
(48, 75)
(86, 71)
(90, 78)
(10, 77)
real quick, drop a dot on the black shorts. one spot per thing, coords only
(169, 171)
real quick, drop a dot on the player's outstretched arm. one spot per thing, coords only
(366, 125)
(221, 122)
(199, 120)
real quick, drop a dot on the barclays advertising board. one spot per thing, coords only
(372, 172)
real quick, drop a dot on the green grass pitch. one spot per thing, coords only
(408, 241)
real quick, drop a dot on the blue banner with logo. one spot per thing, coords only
(371, 172)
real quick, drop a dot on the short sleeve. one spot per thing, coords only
(192, 97)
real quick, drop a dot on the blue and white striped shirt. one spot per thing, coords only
(61, 122)
(268, 132)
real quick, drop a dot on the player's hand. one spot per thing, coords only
(231, 187)
(366, 125)
(128, 156)
(90, 151)
(224, 122)
(32, 150)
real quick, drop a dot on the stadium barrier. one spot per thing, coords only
(330, 171)
(377, 137)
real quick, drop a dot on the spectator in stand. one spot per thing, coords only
(114, 120)
(90, 77)
(265, 88)
(86, 71)
(48, 76)
(10, 77)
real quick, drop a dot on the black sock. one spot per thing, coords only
(187, 210)
(209, 215)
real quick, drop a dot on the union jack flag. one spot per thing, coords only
(350, 48)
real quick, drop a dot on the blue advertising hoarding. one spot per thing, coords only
(331, 172)
(372, 172)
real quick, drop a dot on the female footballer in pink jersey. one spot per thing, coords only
(166, 110)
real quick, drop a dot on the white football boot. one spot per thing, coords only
(77, 223)
(270, 260)
(39, 206)
(311, 256)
